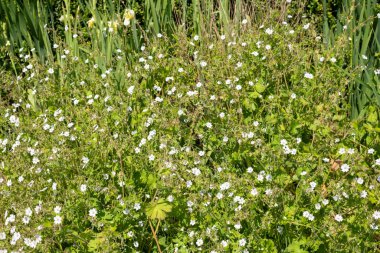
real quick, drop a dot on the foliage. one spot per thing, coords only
(358, 27)
(233, 141)
(158, 209)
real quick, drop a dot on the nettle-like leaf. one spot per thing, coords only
(158, 209)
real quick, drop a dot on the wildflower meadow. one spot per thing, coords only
(189, 126)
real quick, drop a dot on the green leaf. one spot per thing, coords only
(295, 247)
(158, 209)
(32, 100)
(372, 117)
(96, 243)
(260, 88)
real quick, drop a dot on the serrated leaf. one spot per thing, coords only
(158, 209)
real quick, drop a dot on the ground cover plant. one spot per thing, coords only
(234, 141)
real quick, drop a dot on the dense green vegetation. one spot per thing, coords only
(189, 126)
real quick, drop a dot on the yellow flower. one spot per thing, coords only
(91, 22)
(128, 16)
(112, 25)
(65, 18)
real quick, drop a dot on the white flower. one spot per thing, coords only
(93, 212)
(151, 158)
(26, 220)
(28, 211)
(57, 209)
(196, 171)
(83, 188)
(16, 236)
(293, 96)
(137, 206)
(342, 151)
(50, 71)
(371, 151)
(85, 160)
(308, 215)
(224, 243)
(338, 218)
(203, 64)
(35, 160)
(376, 215)
(333, 59)
(57, 220)
(308, 75)
(180, 112)
(130, 90)
(225, 186)
(242, 242)
(240, 200)
(345, 167)
(209, 125)
(269, 31)
(170, 198)
(199, 242)
(254, 191)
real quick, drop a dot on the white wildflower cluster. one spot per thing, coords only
(187, 136)
(286, 148)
